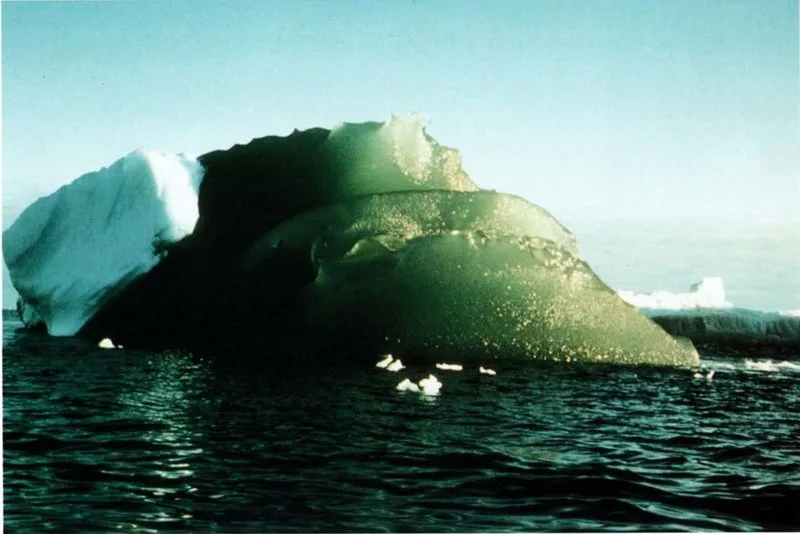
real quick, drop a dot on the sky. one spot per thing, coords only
(594, 108)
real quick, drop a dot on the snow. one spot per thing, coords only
(70, 252)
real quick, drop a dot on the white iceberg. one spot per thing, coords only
(704, 315)
(707, 294)
(70, 252)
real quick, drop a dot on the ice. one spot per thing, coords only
(370, 235)
(430, 385)
(458, 275)
(72, 251)
(27, 314)
(708, 294)
(704, 315)
(385, 362)
(407, 385)
(395, 366)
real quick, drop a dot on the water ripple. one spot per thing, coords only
(143, 442)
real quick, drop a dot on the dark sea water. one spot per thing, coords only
(121, 440)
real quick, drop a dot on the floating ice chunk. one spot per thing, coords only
(708, 376)
(74, 250)
(385, 362)
(106, 344)
(708, 293)
(395, 366)
(449, 367)
(789, 365)
(484, 371)
(407, 385)
(27, 314)
(430, 385)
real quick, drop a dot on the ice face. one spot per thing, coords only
(72, 251)
(454, 274)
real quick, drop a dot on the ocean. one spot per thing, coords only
(132, 441)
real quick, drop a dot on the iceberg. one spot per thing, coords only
(71, 252)
(368, 237)
(709, 293)
(705, 316)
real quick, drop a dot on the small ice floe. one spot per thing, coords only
(430, 385)
(485, 371)
(407, 385)
(106, 344)
(385, 362)
(395, 366)
(449, 367)
(707, 376)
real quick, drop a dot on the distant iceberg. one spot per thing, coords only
(74, 250)
(709, 293)
(705, 316)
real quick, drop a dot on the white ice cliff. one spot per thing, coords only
(69, 252)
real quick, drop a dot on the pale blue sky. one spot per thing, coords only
(631, 108)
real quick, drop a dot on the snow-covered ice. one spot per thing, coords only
(70, 252)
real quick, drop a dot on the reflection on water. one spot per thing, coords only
(99, 440)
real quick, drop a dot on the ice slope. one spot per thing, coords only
(705, 316)
(447, 274)
(72, 251)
